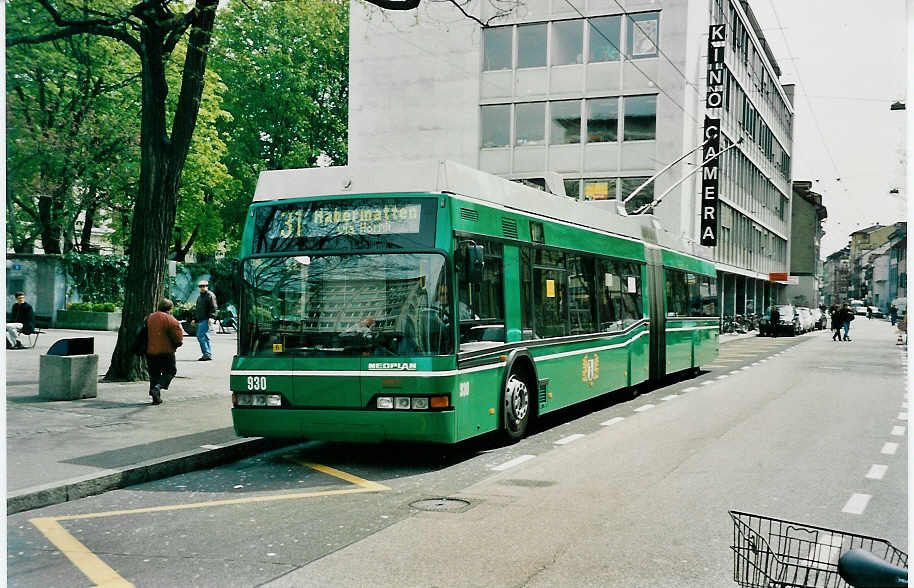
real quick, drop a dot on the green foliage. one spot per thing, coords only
(286, 65)
(97, 278)
(93, 307)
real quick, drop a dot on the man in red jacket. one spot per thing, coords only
(165, 336)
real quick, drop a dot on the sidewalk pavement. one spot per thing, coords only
(64, 450)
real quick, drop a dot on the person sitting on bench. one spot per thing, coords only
(22, 321)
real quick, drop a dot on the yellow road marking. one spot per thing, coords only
(99, 572)
(87, 562)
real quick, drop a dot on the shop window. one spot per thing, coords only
(567, 42)
(530, 123)
(496, 125)
(497, 47)
(531, 45)
(605, 38)
(566, 122)
(573, 188)
(645, 196)
(643, 35)
(640, 118)
(603, 120)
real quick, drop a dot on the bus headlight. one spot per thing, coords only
(274, 400)
(243, 399)
(385, 402)
(260, 400)
(420, 403)
(402, 402)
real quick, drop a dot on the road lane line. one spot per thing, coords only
(690, 389)
(612, 421)
(569, 439)
(724, 376)
(708, 383)
(670, 397)
(87, 562)
(889, 449)
(902, 416)
(857, 504)
(511, 463)
(645, 407)
(877, 471)
(210, 446)
(898, 431)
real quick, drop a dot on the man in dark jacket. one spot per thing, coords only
(22, 320)
(203, 313)
(847, 315)
(163, 339)
(774, 320)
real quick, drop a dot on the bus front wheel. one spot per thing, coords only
(516, 407)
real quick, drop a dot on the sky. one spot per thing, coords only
(847, 59)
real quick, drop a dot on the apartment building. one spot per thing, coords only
(604, 93)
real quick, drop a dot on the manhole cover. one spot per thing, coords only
(441, 504)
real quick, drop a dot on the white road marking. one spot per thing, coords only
(902, 416)
(877, 471)
(898, 431)
(690, 389)
(744, 368)
(889, 448)
(645, 407)
(612, 421)
(721, 377)
(755, 363)
(569, 439)
(904, 405)
(857, 504)
(734, 372)
(210, 446)
(510, 464)
(670, 397)
(708, 383)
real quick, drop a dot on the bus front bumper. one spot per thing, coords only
(346, 425)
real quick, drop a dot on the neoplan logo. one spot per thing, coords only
(395, 365)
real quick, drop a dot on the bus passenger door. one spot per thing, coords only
(656, 308)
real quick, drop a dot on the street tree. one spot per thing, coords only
(287, 65)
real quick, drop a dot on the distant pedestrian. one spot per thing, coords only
(893, 314)
(837, 321)
(22, 320)
(847, 315)
(204, 312)
(869, 313)
(774, 320)
(163, 339)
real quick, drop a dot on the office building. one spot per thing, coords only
(602, 92)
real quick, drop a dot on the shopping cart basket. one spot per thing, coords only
(773, 553)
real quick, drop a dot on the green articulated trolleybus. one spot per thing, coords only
(432, 302)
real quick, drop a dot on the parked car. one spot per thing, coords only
(807, 323)
(876, 312)
(816, 318)
(859, 309)
(789, 321)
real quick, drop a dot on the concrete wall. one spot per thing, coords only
(42, 279)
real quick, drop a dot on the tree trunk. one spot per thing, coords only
(85, 238)
(50, 231)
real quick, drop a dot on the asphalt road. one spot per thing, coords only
(613, 493)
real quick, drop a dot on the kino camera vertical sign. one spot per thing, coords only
(713, 101)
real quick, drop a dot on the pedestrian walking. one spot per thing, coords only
(774, 321)
(847, 315)
(836, 322)
(164, 336)
(22, 320)
(893, 314)
(869, 313)
(205, 311)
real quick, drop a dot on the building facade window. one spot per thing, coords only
(531, 45)
(605, 38)
(565, 127)
(640, 118)
(645, 196)
(567, 42)
(496, 125)
(643, 35)
(530, 123)
(600, 189)
(497, 44)
(603, 120)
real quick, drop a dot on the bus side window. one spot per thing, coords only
(526, 294)
(631, 293)
(694, 294)
(610, 288)
(550, 293)
(677, 293)
(580, 294)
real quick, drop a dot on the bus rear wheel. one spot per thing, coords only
(516, 407)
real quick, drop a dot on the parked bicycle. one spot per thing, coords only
(774, 553)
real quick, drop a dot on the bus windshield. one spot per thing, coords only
(346, 305)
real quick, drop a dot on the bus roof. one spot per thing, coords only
(449, 177)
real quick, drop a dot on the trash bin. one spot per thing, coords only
(69, 370)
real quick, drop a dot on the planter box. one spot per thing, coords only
(71, 377)
(88, 320)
